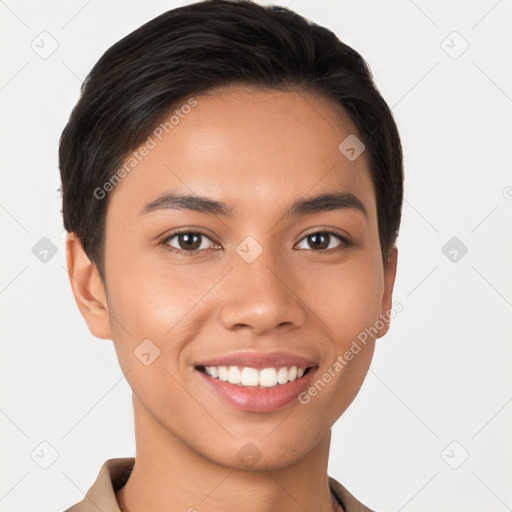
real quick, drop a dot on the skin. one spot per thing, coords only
(258, 151)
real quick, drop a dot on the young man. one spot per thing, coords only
(232, 190)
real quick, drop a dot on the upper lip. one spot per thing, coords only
(259, 360)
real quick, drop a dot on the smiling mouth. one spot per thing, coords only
(253, 377)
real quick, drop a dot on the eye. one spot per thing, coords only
(194, 242)
(186, 242)
(323, 241)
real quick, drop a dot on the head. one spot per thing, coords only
(294, 164)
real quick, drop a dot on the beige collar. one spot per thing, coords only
(115, 472)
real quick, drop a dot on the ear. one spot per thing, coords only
(387, 297)
(88, 288)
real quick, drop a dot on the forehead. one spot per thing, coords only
(250, 148)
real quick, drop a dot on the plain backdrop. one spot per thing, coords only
(430, 429)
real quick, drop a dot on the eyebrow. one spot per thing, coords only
(330, 201)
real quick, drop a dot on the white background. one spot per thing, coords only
(443, 372)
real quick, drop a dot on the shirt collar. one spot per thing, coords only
(114, 473)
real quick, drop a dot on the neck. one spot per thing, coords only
(171, 476)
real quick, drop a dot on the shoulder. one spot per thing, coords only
(345, 498)
(101, 495)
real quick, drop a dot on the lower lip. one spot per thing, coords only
(255, 399)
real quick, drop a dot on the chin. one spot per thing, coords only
(260, 453)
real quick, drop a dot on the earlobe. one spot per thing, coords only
(387, 298)
(88, 289)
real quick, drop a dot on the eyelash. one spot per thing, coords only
(165, 242)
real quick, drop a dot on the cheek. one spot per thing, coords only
(348, 302)
(167, 306)
(151, 299)
(151, 323)
(346, 297)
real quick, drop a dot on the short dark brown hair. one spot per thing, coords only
(191, 49)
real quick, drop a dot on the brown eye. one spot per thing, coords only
(187, 242)
(324, 240)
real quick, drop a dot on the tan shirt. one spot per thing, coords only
(115, 472)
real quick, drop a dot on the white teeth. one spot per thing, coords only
(234, 375)
(282, 376)
(267, 377)
(249, 377)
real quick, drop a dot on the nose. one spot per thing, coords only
(262, 295)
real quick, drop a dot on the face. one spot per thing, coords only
(247, 278)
